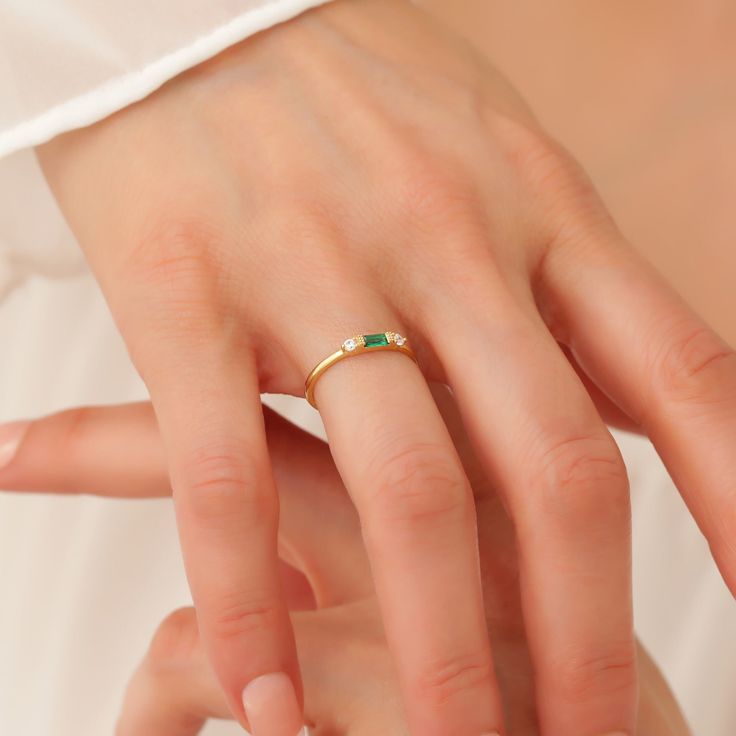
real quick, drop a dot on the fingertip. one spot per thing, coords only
(271, 706)
(12, 435)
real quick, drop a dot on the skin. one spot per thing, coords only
(462, 225)
(350, 682)
(650, 114)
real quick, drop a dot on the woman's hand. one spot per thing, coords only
(350, 682)
(357, 170)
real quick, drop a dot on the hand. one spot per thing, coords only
(350, 682)
(356, 170)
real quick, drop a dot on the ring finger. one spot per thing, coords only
(417, 512)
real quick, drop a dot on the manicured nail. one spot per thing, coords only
(271, 706)
(11, 435)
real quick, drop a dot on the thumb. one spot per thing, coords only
(174, 691)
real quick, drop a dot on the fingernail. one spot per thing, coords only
(491, 733)
(11, 435)
(271, 706)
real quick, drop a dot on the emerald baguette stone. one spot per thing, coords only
(373, 341)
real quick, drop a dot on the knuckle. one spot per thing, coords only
(175, 642)
(308, 217)
(177, 252)
(221, 481)
(688, 365)
(76, 428)
(558, 182)
(76, 432)
(441, 681)
(304, 210)
(176, 286)
(432, 196)
(534, 154)
(609, 672)
(310, 220)
(245, 616)
(420, 483)
(581, 476)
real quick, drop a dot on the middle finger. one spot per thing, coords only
(564, 483)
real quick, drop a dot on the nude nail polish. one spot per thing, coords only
(11, 436)
(271, 706)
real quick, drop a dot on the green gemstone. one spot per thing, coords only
(373, 341)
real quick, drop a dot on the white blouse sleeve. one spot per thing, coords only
(68, 63)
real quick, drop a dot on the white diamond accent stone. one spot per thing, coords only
(349, 345)
(399, 339)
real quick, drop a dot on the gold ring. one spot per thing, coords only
(357, 346)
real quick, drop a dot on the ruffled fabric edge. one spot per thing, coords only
(119, 92)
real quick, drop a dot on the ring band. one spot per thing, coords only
(357, 345)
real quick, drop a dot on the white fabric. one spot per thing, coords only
(68, 63)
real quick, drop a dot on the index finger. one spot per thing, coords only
(660, 362)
